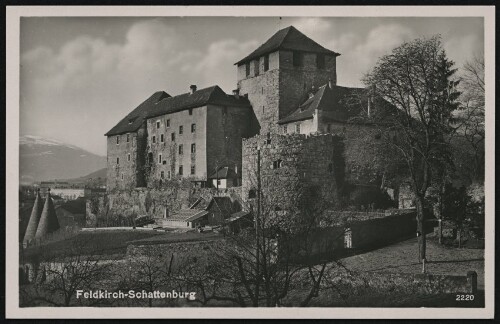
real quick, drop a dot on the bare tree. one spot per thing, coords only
(417, 78)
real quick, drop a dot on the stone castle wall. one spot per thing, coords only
(291, 166)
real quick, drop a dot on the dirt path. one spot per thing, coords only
(403, 257)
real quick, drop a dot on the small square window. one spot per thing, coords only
(168, 122)
(181, 149)
(193, 169)
(180, 170)
(193, 148)
(191, 112)
(181, 130)
(193, 128)
(158, 124)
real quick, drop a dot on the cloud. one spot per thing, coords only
(312, 25)
(464, 48)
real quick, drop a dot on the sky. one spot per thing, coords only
(80, 75)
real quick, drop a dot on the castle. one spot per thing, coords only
(287, 105)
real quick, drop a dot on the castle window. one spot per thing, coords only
(193, 169)
(256, 67)
(168, 175)
(193, 128)
(180, 170)
(277, 164)
(162, 139)
(162, 174)
(285, 129)
(247, 69)
(266, 62)
(297, 128)
(190, 111)
(168, 122)
(193, 148)
(157, 124)
(172, 136)
(320, 61)
(153, 139)
(164, 162)
(128, 157)
(117, 160)
(118, 139)
(128, 138)
(252, 193)
(159, 158)
(298, 59)
(122, 176)
(181, 149)
(181, 130)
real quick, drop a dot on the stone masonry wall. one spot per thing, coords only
(291, 166)
(151, 202)
(122, 173)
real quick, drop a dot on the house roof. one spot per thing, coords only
(135, 118)
(48, 220)
(212, 95)
(287, 39)
(188, 215)
(161, 103)
(224, 173)
(36, 213)
(223, 203)
(337, 103)
(237, 215)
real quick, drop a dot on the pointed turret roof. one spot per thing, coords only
(287, 39)
(36, 213)
(48, 220)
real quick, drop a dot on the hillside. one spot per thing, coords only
(42, 159)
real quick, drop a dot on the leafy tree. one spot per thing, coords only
(417, 79)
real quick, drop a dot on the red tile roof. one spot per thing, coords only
(287, 39)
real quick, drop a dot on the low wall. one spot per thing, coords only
(416, 283)
(377, 232)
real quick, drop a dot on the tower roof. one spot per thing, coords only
(36, 213)
(48, 220)
(287, 39)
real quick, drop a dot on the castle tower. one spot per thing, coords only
(36, 213)
(48, 220)
(279, 74)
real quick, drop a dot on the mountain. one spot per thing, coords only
(95, 179)
(42, 159)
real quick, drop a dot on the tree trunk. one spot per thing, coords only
(419, 200)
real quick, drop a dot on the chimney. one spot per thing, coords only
(330, 84)
(193, 88)
(236, 93)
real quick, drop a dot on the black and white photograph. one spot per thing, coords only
(254, 162)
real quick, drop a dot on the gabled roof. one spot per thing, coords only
(287, 39)
(224, 173)
(187, 215)
(212, 95)
(134, 119)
